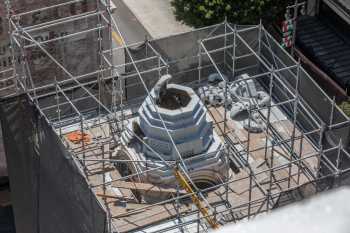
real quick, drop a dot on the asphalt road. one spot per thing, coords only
(131, 29)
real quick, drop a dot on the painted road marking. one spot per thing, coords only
(117, 38)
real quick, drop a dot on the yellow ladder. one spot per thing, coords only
(195, 199)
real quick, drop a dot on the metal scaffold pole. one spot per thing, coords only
(261, 166)
(295, 113)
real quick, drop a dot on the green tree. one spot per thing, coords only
(345, 106)
(199, 13)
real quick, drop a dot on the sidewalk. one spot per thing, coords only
(157, 17)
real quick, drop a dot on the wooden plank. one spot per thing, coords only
(108, 195)
(144, 187)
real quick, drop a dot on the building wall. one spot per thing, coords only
(79, 55)
(5, 63)
(3, 166)
(48, 191)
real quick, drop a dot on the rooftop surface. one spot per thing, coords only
(130, 213)
(289, 159)
(328, 49)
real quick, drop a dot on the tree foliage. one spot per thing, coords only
(199, 13)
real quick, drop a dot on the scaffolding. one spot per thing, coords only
(289, 159)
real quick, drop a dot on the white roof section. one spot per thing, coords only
(327, 213)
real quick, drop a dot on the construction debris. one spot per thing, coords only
(77, 137)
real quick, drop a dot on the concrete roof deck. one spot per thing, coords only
(120, 198)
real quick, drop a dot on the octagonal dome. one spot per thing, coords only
(184, 116)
